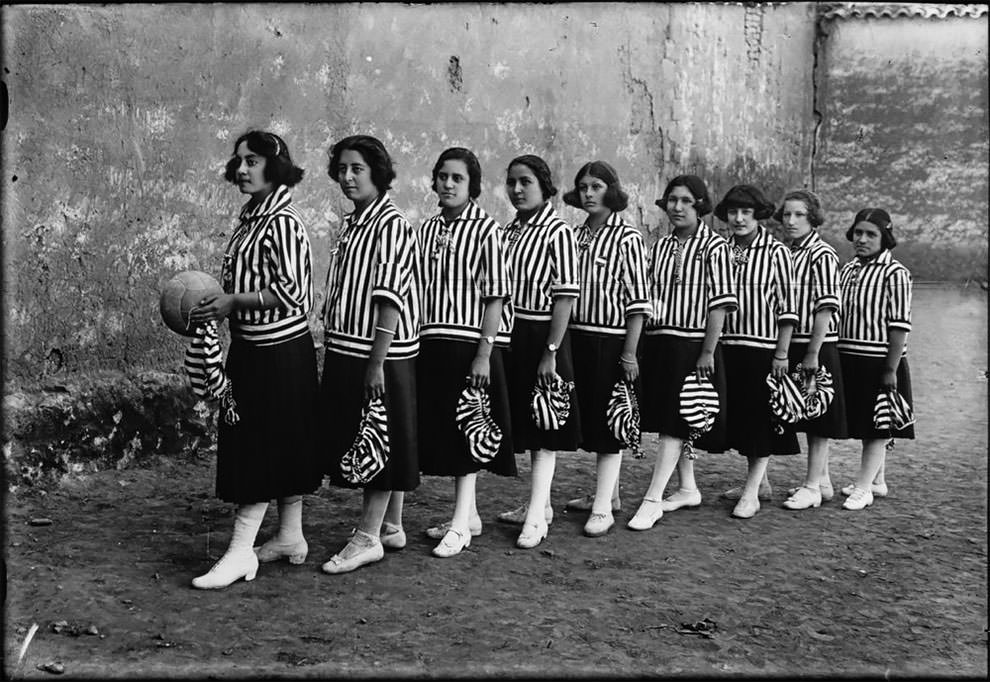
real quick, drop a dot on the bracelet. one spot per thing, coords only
(385, 331)
(627, 361)
(261, 301)
(777, 358)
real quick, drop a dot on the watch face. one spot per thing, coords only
(552, 347)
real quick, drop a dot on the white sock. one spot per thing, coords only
(246, 525)
(290, 520)
(607, 482)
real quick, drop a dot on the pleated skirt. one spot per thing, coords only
(442, 369)
(341, 402)
(861, 374)
(529, 340)
(271, 451)
(667, 360)
(749, 428)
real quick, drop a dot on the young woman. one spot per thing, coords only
(691, 281)
(606, 323)
(540, 253)
(876, 319)
(813, 343)
(371, 320)
(268, 293)
(467, 321)
(756, 337)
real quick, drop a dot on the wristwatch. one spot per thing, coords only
(489, 339)
(552, 347)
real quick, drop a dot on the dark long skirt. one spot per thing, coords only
(832, 424)
(341, 401)
(861, 374)
(529, 340)
(667, 360)
(270, 452)
(442, 368)
(749, 429)
(596, 370)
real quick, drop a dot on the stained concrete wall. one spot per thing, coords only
(905, 105)
(121, 118)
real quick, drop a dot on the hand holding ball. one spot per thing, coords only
(181, 295)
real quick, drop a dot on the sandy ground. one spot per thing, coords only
(899, 589)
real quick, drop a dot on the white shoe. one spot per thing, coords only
(518, 515)
(682, 498)
(765, 492)
(273, 550)
(878, 489)
(392, 537)
(355, 555)
(452, 544)
(532, 534)
(598, 524)
(858, 499)
(650, 511)
(231, 567)
(803, 498)
(585, 503)
(827, 491)
(437, 532)
(746, 508)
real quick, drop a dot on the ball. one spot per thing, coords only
(181, 295)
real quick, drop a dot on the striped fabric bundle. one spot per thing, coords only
(787, 403)
(369, 453)
(474, 419)
(699, 406)
(818, 392)
(204, 365)
(892, 412)
(622, 415)
(551, 405)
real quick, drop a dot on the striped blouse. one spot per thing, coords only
(876, 297)
(463, 266)
(542, 263)
(376, 256)
(686, 281)
(763, 284)
(816, 286)
(270, 249)
(612, 269)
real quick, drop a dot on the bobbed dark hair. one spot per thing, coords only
(540, 169)
(816, 216)
(374, 154)
(279, 169)
(473, 168)
(615, 198)
(881, 219)
(744, 196)
(696, 186)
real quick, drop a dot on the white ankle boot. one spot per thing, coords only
(231, 567)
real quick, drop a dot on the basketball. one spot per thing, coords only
(181, 295)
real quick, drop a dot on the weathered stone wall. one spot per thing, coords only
(905, 128)
(121, 118)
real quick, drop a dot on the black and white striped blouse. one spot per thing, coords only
(377, 256)
(270, 249)
(612, 272)
(687, 281)
(542, 263)
(876, 297)
(816, 286)
(463, 267)
(763, 285)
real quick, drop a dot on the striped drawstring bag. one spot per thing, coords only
(892, 413)
(204, 365)
(474, 419)
(368, 455)
(818, 392)
(786, 401)
(551, 405)
(698, 407)
(622, 415)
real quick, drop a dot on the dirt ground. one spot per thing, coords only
(897, 590)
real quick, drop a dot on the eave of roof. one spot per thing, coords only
(861, 10)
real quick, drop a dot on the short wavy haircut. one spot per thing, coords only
(698, 189)
(744, 196)
(540, 169)
(473, 168)
(374, 154)
(816, 215)
(279, 169)
(615, 198)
